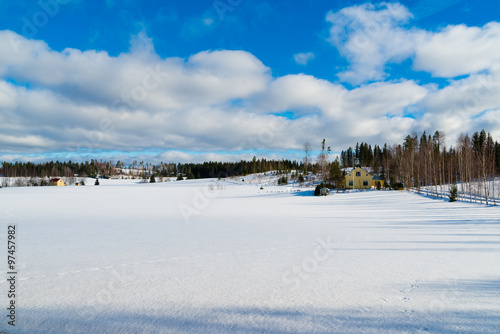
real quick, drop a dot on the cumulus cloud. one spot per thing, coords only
(304, 94)
(73, 93)
(323, 108)
(459, 50)
(138, 77)
(372, 36)
(369, 36)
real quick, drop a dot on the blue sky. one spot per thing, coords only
(229, 79)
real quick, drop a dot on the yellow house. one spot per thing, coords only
(358, 179)
(57, 182)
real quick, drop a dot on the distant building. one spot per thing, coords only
(358, 178)
(57, 182)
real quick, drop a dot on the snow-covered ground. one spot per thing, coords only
(202, 256)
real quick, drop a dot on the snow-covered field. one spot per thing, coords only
(202, 256)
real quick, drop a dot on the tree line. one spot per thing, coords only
(422, 162)
(107, 169)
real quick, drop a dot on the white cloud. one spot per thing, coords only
(384, 98)
(463, 105)
(304, 94)
(371, 111)
(138, 77)
(459, 50)
(303, 58)
(372, 36)
(27, 141)
(369, 36)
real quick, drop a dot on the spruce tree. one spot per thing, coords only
(453, 193)
(96, 182)
(152, 179)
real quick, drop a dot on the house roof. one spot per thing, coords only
(55, 179)
(364, 169)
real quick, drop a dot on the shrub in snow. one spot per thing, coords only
(398, 186)
(152, 179)
(317, 191)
